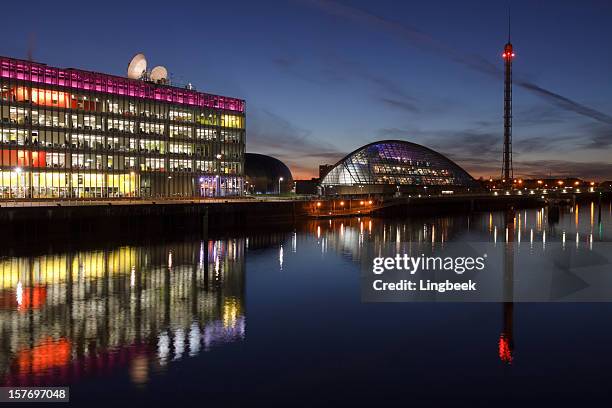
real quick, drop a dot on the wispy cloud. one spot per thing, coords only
(562, 168)
(398, 104)
(335, 70)
(426, 42)
(271, 134)
(457, 145)
(599, 136)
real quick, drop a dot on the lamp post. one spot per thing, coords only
(218, 176)
(18, 177)
(279, 185)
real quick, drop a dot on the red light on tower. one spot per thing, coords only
(508, 52)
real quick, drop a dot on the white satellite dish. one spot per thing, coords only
(137, 67)
(159, 74)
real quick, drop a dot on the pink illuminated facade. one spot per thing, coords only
(69, 133)
(95, 82)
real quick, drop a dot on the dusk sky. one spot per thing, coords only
(322, 78)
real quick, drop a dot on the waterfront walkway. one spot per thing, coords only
(153, 201)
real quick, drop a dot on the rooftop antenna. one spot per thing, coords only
(137, 68)
(159, 75)
(508, 21)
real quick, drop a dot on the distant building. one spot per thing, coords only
(265, 174)
(545, 183)
(69, 133)
(307, 187)
(324, 169)
(606, 185)
(395, 166)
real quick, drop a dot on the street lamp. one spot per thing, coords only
(218, 176)
(279, 181)
(18, 177)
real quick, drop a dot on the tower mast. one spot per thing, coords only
(508, 56)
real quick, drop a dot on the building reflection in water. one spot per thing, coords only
(517, 230)
(506, 338)
(66, 316)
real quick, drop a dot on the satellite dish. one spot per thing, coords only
(137, 67)
(159, 74)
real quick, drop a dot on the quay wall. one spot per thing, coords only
(148, 218)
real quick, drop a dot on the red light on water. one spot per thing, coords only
(505, 352)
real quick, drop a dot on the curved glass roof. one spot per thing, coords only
(399, 163)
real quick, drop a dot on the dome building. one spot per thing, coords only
(392, 166)
(263, 174)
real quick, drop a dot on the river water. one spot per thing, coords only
(278, 314)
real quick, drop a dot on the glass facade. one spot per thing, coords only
(398, 163)
(72, 134)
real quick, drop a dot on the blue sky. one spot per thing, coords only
(322, 78)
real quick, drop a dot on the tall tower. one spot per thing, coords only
(508, 56)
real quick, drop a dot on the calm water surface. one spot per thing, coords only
(280, 314)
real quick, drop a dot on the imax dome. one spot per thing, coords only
(263, 174)
(396, 163)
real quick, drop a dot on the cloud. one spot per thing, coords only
(565, 103)
(402, 105)
(337, 70)
(600, 137)
(562, 168)
(271, 134)
(540, 114)
(459, 146)
(475, 62)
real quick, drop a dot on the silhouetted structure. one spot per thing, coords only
(264, 174)
(324, 169)
(508, 55)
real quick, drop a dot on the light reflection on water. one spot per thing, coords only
(67, 316)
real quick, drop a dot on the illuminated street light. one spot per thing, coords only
(279, 181)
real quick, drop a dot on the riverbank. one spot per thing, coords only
(29, 221)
